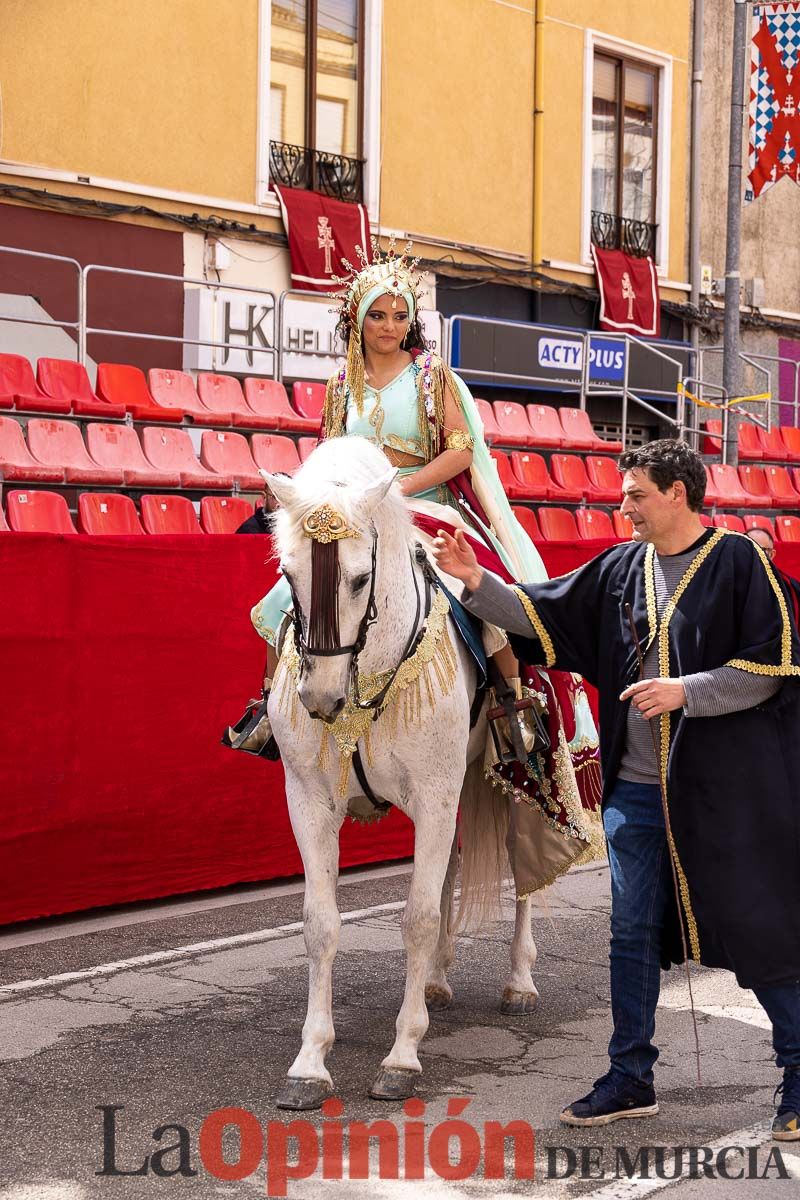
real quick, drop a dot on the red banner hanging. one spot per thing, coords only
(321, 232)
(629, 301)
(774, 109)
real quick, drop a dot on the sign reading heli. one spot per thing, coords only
(606, 357)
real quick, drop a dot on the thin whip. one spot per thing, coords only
(665, 806)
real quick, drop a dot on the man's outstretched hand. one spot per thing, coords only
(455, 557)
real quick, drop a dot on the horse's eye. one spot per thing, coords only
(360, 582)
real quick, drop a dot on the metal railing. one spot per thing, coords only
(317, 171)
(637, 238)
(52, 323)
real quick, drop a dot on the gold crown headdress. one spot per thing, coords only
(396, 273)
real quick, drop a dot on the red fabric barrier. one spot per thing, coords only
(123, 660)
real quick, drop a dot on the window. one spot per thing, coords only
(623, 152)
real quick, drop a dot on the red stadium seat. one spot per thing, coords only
(730, 488)
(593, 523)
(545, 425)
(68, 381)
(527, 519)
(605, 479)
(229, 454)
(705, 519)
(531, 472)
(713, 445)
(579, 434)
(16, 461)
(18, 387)
(791, 440)
(749, 443)
(59, 444)
(122, 384)
(753, 521)
(306, 446)
(772, 443)
(171, 450)
(3, 523)
(795, 477)
(512, 486)
(491, 433)
(223, 393)
(779, 486)
(118, 448)
(169, 514)
(224, 514)
(569, 472)
(274, 452)
(175, 389)
(623, 527)
(728, 521)
(711, 497)
(755, 487)
(512, 421)
(267, 398)
(110, 512)
(558, 525)
(309, 399)
(39, 512)
(787, 528)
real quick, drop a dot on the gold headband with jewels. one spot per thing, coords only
(326, 525)
(396, 272)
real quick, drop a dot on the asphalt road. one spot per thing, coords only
(177, 1010)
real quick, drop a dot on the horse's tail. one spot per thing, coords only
(484, 855)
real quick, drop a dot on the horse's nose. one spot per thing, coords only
(330, 716)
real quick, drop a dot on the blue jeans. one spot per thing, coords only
(641, 890)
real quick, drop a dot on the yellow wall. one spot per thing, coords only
(159, 92)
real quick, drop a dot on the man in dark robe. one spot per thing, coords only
(764, 539)
(721, 687)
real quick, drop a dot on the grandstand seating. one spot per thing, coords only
(754, 483)
(729, 487)
(176, 389)
(779, 486)
(728, 521)
(274, 452)
(558, 525)
(68, 381)
(223, 393)
(787, 529)
(16, 460)
(528, 521)
(512, 421)
(622, 525)
(791, 440)
(756, 521)
(19, 389)
(306, 446)
(513, 487)
(579, 434)
(229, 454)
(749, 444)
(117, 447)
(267, 398)
(169, 514)
(795, 477)
(224, 514)
(3, 523)
(530, 471)
(121, 384)
(569, 473)
(594, 523)
(106, 513)
(712, 496)
(38, 512)
(309, 400)
(547, 429)
(491, 432)
(605, 478)
(172, 450)
(772, 443)
(58, 443)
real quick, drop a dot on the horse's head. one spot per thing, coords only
(327, 535)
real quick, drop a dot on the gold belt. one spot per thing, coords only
(399, 458)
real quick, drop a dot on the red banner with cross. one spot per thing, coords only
(321, 232)
(774, 97)
(629, 300)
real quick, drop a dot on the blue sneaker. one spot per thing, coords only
(613, 1098)
(786, 1126)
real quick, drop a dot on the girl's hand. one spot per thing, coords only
(455, 557)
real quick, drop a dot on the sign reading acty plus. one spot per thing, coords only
(606, 357)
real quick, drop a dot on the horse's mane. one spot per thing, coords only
(336, 473)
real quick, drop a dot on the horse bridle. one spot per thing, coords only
(306, 651)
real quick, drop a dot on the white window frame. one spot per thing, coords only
(371, 66)
(595, 41)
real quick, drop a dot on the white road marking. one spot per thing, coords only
(9, 990)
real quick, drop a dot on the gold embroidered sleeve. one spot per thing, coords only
(459, 439)
(538, 626)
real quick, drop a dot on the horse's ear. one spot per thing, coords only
(375, 492)
(281, 486)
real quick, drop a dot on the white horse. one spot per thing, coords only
(347, 545)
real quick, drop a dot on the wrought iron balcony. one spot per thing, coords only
(317, 171)
(637, 238)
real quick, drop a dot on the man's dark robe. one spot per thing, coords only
(733, 782)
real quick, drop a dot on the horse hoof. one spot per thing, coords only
(302, 1094)
(437, 997)
(394, 1083)
(518, 1004)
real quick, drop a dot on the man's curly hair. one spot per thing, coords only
(667, 461)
